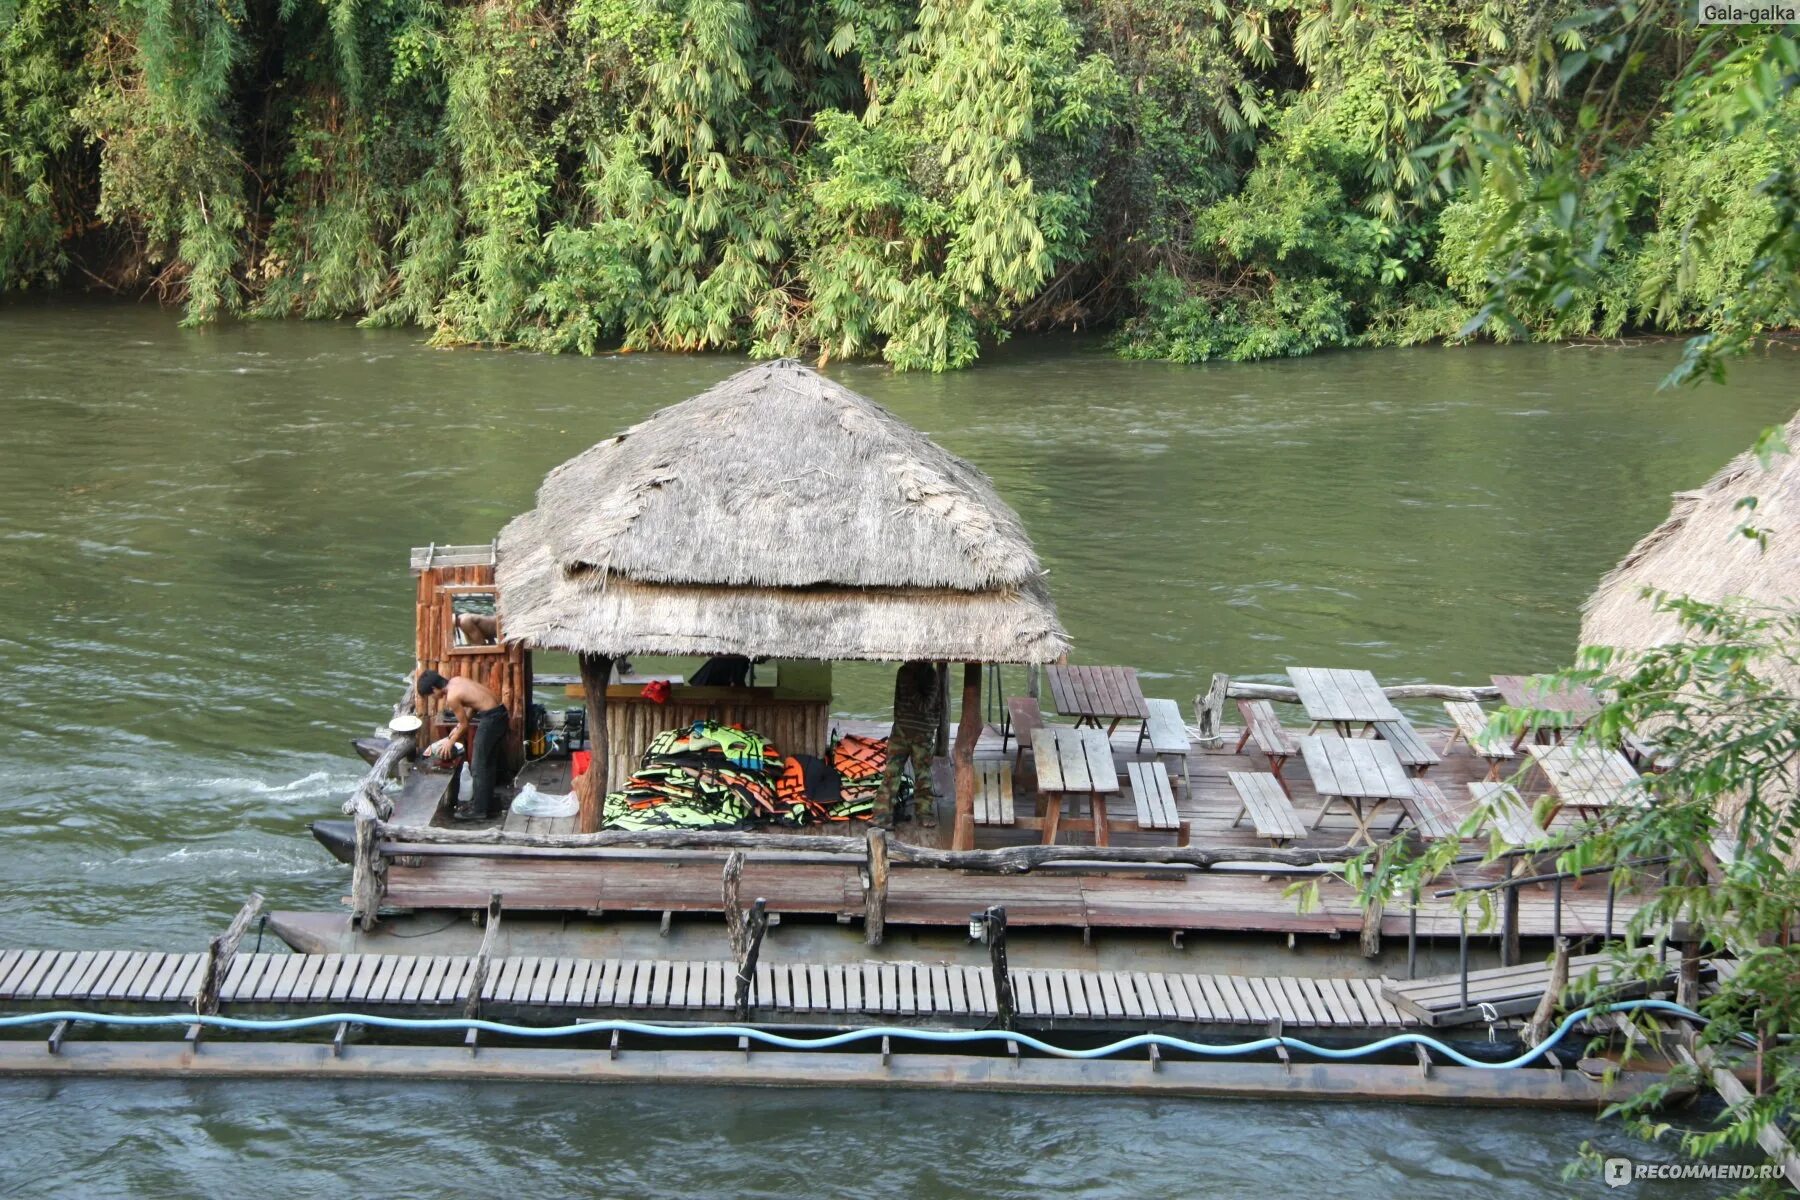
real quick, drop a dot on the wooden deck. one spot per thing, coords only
(1247, 899)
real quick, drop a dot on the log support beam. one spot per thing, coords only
(968, 732)
(590, 789)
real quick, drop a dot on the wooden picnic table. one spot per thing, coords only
(1586, 777)
(1340, 698)
(1074, 762)
(1093, 694)
(1360, 773)
(1571, 707)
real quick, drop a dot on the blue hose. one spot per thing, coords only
(848, 1037)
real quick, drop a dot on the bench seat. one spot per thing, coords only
(1023, 718)
(1469, 722)
(1261, 727)
(1434, 814)
(1154, 798)
(994, 793)
(1509, 814)
(1263, 799)
(1168, 736)
(1408, 745)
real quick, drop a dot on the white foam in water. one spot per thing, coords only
(308, 785)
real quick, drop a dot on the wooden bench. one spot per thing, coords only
(1434, 814)
(1168, 735)
(994, 793)
(1265, 801)
(1645, 755)
(1155, 799)
(1411, 749)
(1469, 722)
(1025, 718)
(1261, 727)
(1508, 814)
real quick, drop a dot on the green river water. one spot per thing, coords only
(203, 594)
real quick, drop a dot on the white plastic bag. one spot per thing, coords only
(532, 803)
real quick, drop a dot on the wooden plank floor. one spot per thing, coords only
(1240, 900)
(938, 993)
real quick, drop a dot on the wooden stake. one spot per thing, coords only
(875, 899)
(478, 976)
(219, 953)
(1539, 1026)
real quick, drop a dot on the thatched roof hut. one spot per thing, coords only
(1698, 552)
(776, 514)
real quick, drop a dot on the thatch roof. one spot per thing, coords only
(780, 514)
(1698, 552)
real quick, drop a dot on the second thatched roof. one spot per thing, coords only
(1699, 552)
(779, 514)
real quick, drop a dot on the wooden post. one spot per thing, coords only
(943, 726)
(995, 923)
(490, 938)
(734, 911)
(219, 953)
(590, 790)
(875, 899)
(1209, 710)
(368, 871)
(755, 925)
(1509, 926)
(968, 732)
(1538, 1027)
(1371, 928)
(1687, 985)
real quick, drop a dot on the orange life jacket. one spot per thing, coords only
(857, 757)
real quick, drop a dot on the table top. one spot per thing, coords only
(1074, 760)
(1529, 691)
(1096, 691)
(1362, 767)
(1329, 694)
(1587, 776)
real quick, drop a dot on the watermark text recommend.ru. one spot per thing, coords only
(1620, 1171)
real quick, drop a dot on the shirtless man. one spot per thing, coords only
(478, 629)
(473, 705)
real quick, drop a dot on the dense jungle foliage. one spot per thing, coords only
(910, 179)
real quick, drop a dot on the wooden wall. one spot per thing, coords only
(795, 726)
(504, 670)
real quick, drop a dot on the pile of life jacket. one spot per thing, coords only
(701, 776)
(858, 762)
(713, 776)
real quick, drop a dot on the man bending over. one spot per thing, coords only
(472, 705)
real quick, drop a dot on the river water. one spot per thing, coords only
(203, 594)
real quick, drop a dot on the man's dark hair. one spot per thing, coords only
(431, 681)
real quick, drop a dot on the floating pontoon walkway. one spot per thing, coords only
(822, 993)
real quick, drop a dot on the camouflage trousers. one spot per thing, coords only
(906, 747)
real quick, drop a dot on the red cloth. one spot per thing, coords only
(578, 763)
(657, 691)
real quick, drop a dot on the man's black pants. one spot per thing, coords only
(487, 749)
